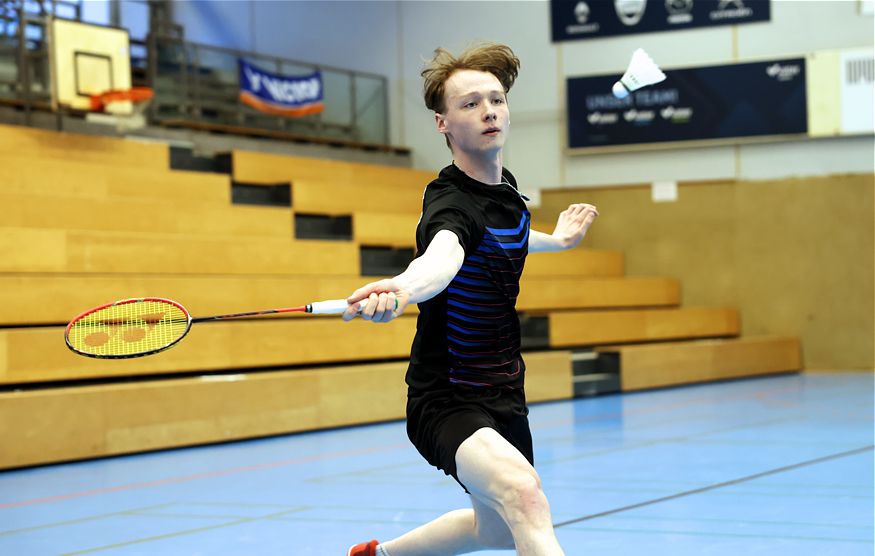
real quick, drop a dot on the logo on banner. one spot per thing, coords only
(581, 15)
(602, 118)
(630, 12)
(638, 117)
(783, 72)
(731, 9)
(280, 95)
(676, 115)
(679, 11)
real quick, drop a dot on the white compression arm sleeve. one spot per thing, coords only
(431, 273)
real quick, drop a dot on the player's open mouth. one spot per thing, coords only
(492, 131)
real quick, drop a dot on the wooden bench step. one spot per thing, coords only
(335, 197)
(674, 363)
(39, 175)
(588, 328)
(106, 151)
(143, 215)
(255, 167)
(33, 250)
(538, 293)
(385, 229)
(575, 263)
(61, 424)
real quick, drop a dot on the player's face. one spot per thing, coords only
(476, 118)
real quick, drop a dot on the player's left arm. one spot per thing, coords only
(571, 227)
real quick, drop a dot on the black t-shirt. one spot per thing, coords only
(470, 333)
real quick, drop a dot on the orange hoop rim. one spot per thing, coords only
(134, 94)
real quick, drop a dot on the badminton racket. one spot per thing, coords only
(138, 327)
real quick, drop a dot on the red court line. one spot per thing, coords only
(200, 476)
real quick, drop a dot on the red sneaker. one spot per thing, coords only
(363, 549)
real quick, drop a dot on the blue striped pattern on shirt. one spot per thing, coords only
(482, 326)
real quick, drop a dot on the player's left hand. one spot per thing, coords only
(573, 224)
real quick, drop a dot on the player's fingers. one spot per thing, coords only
(370, 309)
(389, 311)
(362, 293)
(351, 312)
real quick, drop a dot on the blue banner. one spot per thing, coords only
(278, 94)
(590, 19)
(735, 101)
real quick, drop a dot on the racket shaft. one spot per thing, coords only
(301, 309)
(330, 307)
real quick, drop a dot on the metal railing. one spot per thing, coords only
(192, 82)
(199, 82)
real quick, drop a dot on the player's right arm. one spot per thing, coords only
(427, 276)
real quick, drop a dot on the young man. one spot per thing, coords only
(466, 409)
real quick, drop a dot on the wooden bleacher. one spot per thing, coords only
(33, 174)
(89, 220)
(143, 215)
(106, 152)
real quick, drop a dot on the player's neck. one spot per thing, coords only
(482, 169)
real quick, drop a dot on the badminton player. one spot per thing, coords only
(466, 408)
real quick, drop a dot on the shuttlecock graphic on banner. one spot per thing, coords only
(642, 72)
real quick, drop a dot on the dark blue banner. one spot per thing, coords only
(280, 95)
(587, 19)
(716, 102)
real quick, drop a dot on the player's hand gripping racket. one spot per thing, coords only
(137, 327)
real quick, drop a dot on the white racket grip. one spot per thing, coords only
(333, 306)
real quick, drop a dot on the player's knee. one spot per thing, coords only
(521, 493)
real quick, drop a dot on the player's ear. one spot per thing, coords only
(441, 122)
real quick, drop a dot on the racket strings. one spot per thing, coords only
(128, 328)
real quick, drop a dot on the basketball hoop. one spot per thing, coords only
(123, 108)
(102, 102)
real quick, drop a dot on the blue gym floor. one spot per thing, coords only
(777, 466)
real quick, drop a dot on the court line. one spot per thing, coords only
(715, 486)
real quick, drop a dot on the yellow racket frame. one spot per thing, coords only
(128, 328)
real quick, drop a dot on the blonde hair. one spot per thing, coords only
(497, 59)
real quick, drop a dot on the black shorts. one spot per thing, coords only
(439, 421)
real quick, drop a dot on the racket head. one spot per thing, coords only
(128, 328)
